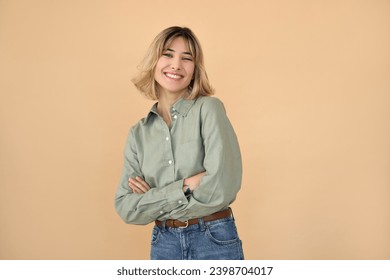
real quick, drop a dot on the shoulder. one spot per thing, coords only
(145, 121)
(136, 129)
(210, 104)
(139, 126)
(135, 132)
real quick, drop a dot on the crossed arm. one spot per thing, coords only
(140, 186)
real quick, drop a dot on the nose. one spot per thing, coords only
(176, 64)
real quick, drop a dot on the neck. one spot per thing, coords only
(165, 102)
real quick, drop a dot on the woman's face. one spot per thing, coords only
(175, 68)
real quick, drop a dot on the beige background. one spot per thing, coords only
(306, 85)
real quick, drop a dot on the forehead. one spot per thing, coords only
(179, 44)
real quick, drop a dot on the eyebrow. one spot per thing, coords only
(188, 53)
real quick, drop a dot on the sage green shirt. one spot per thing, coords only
(201, 138)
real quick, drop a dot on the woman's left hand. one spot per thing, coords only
(138, 185)
(193, 181)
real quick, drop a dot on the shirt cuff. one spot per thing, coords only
(175, 196)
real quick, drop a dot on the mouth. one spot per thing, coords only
(173, 76)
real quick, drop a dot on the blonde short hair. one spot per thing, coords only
(145, 81)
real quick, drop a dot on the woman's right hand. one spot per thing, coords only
(194, 181)
(138, 185)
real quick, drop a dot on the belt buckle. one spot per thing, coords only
(186, 226)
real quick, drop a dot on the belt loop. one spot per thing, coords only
(163, 226)
(231, 213)
(202, 225)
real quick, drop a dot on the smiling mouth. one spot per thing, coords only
(173, 76)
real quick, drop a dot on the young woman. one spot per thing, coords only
(182, 166)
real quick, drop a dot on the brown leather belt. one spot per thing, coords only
(179, 224)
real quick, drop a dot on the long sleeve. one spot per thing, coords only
(144, 208)
(222, 163)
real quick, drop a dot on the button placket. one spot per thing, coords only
(167, 146)
(174, 113)
(169, 152)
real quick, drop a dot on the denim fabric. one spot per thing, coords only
(215, 240)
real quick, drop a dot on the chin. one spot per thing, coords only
(175, 90)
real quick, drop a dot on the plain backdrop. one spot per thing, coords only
(306, 85)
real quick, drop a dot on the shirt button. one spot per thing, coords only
(167, 138)
(161, 212)
(170, 162)
(180, 201)
(175, 116)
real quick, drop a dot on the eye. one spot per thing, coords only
(168, 55)
(187, 58)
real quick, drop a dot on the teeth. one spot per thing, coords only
(173, 76)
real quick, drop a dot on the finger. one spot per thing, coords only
(143, 182)
(135, 189)
(139, 186)
(132, 186)
(138, 191)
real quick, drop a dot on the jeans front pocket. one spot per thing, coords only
(223, 232)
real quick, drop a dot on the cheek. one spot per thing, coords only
(158, 66)
(158, 69)
(191, 72)
(162, 62)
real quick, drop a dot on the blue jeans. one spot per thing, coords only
(215, 240)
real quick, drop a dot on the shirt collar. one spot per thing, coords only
(181, 106)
